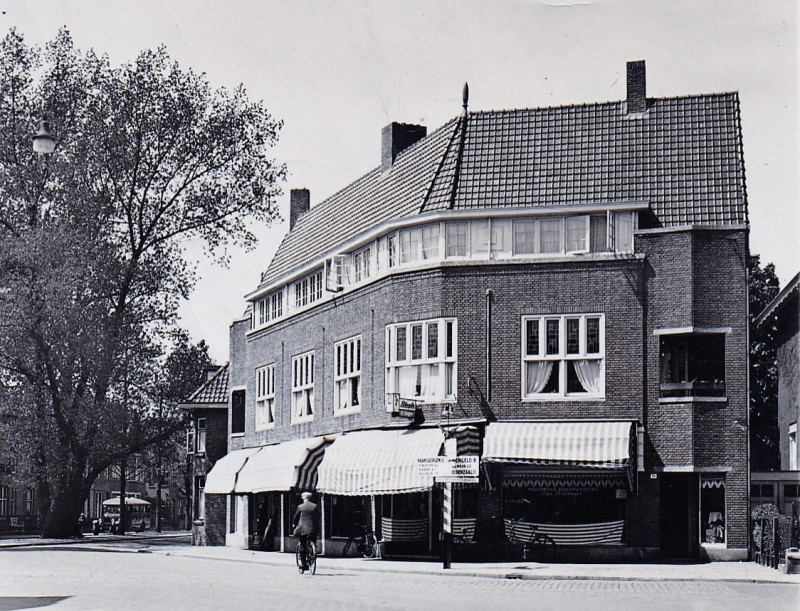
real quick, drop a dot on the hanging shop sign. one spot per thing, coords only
(462, 469)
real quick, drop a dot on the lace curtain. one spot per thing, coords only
(537, 375)
(589, 374)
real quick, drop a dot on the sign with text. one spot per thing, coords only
(462, 469)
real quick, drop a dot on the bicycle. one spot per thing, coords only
(306, 555)
(365, 541)
(534, 543)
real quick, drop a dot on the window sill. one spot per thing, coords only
(268, 427)
(556, 398)
(237, 434)
(669, 400)
(347, 412)
(303, 420)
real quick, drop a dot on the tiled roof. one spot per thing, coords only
(683, 156)
(213, 391)
(791, 290)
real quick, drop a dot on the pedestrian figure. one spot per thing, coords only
(305, 519)
(81, 523)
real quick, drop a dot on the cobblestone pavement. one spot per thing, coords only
(78, 577)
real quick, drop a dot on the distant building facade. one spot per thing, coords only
(559, 292)
(783, 488)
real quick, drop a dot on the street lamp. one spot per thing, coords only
(43, 141)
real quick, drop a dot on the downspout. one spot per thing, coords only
(489, 345)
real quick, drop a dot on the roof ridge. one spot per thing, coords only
(606, 103)
(208, 382)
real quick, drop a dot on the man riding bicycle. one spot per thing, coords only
(305, 520)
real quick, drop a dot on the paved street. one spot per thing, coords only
(136, 575)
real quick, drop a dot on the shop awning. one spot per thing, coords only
(222, 477)
(378, 462)
(594, 444)
(282, 466)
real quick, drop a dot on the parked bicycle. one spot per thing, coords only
(306, 555)
(534, 544)
(365, 541)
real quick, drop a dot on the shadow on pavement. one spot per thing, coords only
(11, 603)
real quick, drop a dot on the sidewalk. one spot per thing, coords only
(748, 572)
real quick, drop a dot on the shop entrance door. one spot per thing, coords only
(678, 523)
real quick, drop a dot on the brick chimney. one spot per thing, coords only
(299, 203)
(397, 137)
(637, 87)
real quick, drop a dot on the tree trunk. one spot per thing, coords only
(61, 521)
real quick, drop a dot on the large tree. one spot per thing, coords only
(92, 258)
(764, 286)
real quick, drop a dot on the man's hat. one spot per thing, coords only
(305, 495)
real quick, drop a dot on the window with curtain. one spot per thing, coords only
(303, 388)
(421, 360)
(563, 356)
(347, 376)
(265, 397)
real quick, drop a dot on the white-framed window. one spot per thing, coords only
(421, 359)
(308, 290)
(4, 496)
(303, 387)
(577, 234)
(793, 446)
(347, 376)
(391, 250)
(268, 308)
(563, 355)
(362, 262)
(455, 239)
(201, 436)
(265, 397)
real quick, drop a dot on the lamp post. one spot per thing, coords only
(43, 141)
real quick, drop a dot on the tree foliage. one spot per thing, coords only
(764, 286)
(92, 266)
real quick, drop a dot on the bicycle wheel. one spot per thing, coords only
(311, 556)
(370, 546)
(298, 555)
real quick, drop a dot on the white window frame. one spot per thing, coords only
(265, 398)
(577, 220)
(303, 388)
(200, 436)
(793, 446)
(362, 264)
(453, 239)
(347, 361)
(562, 357)
(442, 389)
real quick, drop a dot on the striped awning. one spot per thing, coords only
(282, 466)
(595, 444)
(378, 462)
(222, 477)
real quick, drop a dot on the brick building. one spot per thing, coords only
(783, 488)
(562, 291)
(206, 443)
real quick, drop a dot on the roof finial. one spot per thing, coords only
(465, 97)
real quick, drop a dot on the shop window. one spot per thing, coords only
(346, 515)
(693, 365)
(410, 506)
(712, 509)
(791, 491)
(237, 412)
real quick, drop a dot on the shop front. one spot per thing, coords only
(568, 481)
(369, 482)
(225, 522)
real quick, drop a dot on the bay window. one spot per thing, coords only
(563, 356)
(692, 365)
(421, 360)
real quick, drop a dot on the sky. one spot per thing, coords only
(336, 71)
